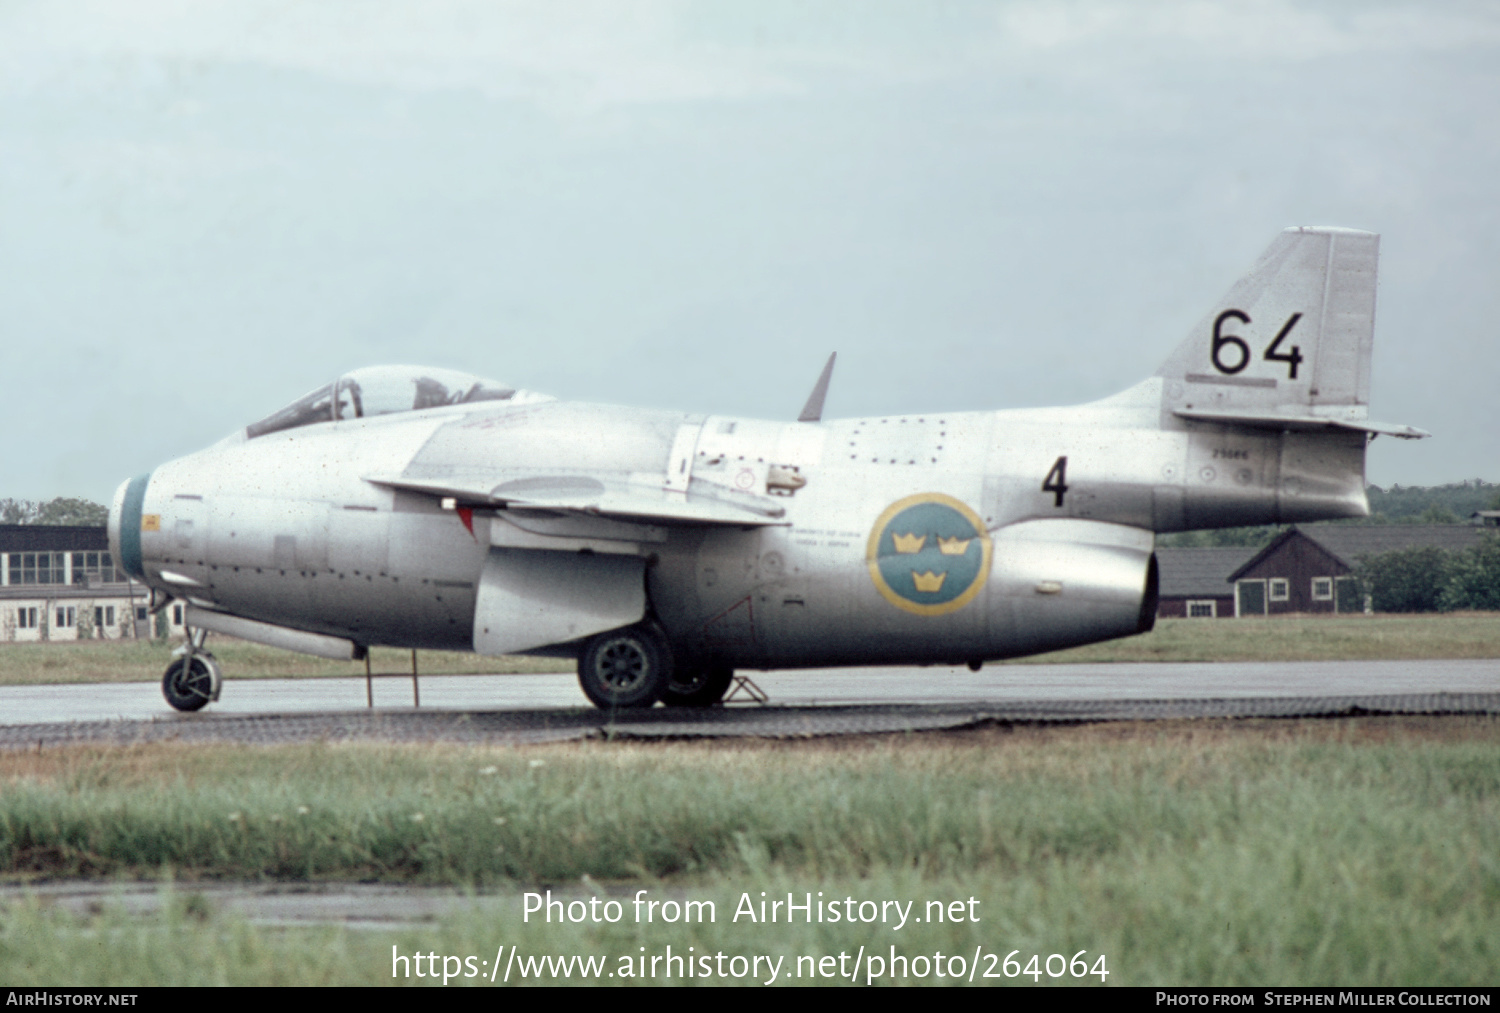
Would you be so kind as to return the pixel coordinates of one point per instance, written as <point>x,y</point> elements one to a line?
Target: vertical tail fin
<point>1294,332</point>
<point>1291,341</point>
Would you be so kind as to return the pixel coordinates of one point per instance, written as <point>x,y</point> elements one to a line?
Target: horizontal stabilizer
<point>1302,422</point>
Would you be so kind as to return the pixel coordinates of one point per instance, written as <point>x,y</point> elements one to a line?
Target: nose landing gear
<point>193,679</point>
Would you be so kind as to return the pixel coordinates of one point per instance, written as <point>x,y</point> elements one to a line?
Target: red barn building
<point>1308,569</point>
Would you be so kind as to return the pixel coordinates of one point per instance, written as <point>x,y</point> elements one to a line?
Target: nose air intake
<point>125,525</point>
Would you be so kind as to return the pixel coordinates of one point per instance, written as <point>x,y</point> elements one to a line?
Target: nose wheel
<point>194,679</point>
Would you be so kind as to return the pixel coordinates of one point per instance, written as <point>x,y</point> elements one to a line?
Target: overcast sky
<point>208,208</point>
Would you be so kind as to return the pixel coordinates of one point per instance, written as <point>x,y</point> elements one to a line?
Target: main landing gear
<point>625,668</point>
<point>634,667</point>
<point>194,677</point>
<point>697,685</point>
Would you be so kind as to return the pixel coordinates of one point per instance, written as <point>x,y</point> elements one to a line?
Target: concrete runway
<point>884,687</point>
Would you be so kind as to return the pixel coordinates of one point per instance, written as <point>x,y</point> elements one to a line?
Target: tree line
<point>62,510</point>
<point>1429,579</point>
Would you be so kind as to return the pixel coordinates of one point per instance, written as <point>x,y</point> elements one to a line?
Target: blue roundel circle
<point>929,554</point>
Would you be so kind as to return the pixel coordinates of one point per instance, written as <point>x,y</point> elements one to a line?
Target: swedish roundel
<point>929,554</point>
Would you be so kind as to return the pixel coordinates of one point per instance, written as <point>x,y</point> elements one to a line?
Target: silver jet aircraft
<point>425,508</point>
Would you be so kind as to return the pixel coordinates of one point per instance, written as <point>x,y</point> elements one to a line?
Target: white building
<point>60,583</point>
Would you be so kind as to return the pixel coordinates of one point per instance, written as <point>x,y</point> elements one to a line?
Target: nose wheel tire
<point>189,683</point>
<point>625,668</point>
<point>697,685</point>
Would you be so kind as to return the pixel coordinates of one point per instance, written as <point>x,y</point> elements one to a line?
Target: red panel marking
<point>734,626</point>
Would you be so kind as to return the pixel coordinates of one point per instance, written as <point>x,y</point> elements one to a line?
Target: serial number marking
<point>1238,356</point>
<point>1224,453</point>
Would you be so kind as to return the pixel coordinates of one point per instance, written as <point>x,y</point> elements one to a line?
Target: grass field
<point>145,660</point>
<point>1293,638</point>
<point>1361,851</point>
<point>1302,638</point>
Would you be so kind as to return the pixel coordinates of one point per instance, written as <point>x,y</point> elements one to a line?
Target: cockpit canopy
<point>383,390</point>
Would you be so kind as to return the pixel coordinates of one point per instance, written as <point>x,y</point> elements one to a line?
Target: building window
<point>1279,589</point>
<point>38,567</point>
<point>176,615</point>
<point>95,568</point>
<point>104,617</point>
<point>1202,609</point>
<point>140,613</point>
<point>67,618</point>
<point>1322,588</point>
<point>26,618</point>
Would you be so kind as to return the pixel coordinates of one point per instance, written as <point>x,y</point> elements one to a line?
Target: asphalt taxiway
<point>519,708</point>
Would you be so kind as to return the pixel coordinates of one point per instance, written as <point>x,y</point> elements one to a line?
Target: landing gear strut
<point>194,678</point>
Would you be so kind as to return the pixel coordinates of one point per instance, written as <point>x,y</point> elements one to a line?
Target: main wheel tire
<point>697,685</point>
<point>189,688</point>
<point>625,668</point>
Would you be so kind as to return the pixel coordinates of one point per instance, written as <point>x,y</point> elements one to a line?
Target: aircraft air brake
<point>423,508</point>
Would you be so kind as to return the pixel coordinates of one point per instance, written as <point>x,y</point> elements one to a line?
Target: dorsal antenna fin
<point>813,410</point>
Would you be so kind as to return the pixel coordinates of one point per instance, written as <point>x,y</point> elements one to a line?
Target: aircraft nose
<point>125,525</point>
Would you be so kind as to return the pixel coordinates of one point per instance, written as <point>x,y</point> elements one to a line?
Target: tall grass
<point>451,815</point>
<point>1351,852</point>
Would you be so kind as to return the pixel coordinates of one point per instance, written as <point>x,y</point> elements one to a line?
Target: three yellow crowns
<point>911,543</point>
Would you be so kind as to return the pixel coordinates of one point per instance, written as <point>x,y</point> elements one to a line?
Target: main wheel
<point>697,685</point>
<point>625,668</point>
<point>189,688</point>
